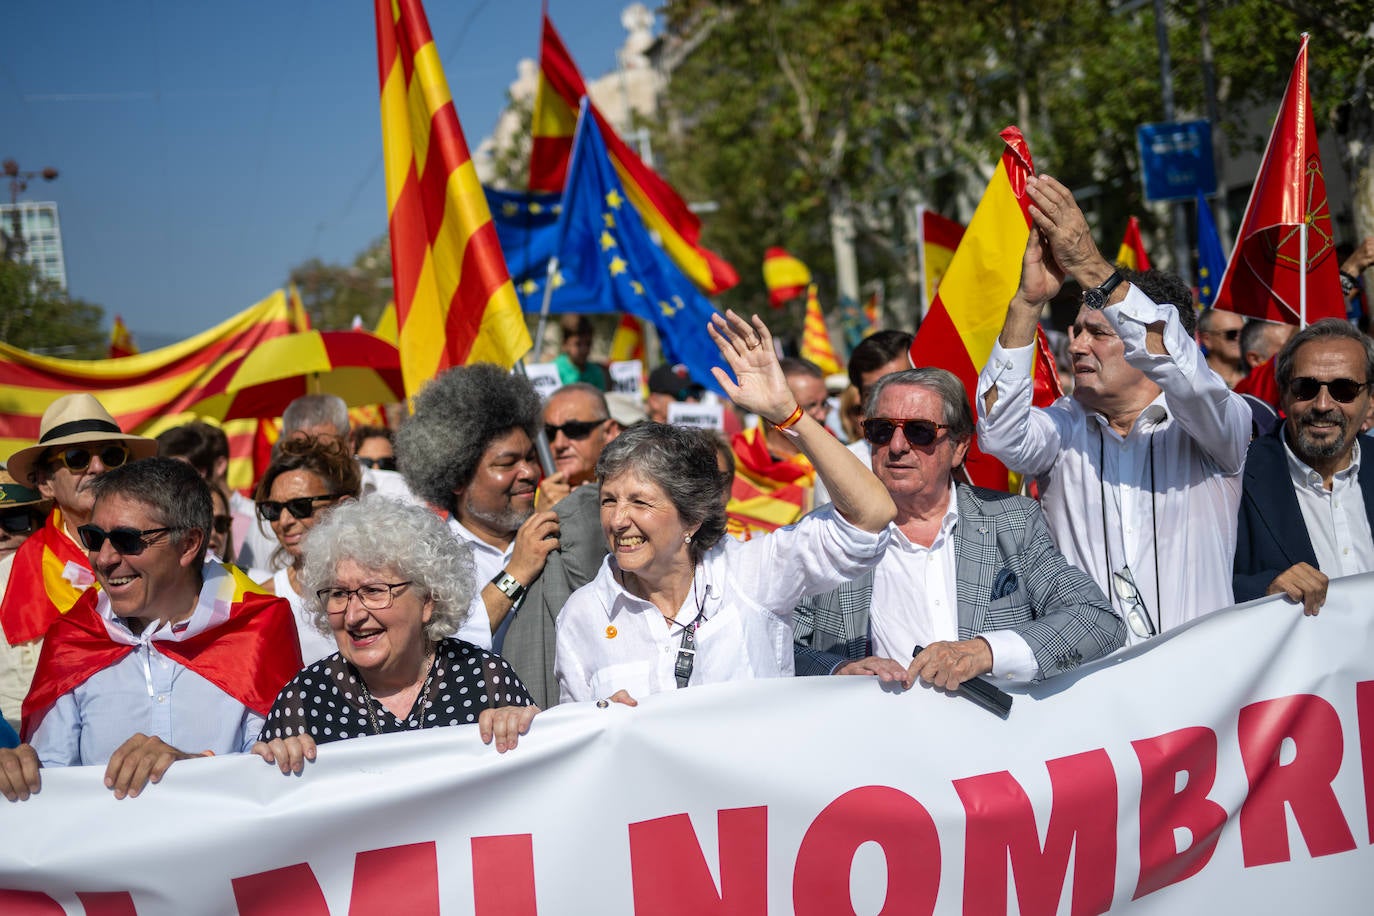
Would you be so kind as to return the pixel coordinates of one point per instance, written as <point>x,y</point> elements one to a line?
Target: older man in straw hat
<point>22,510</point>
<point>78,441</point>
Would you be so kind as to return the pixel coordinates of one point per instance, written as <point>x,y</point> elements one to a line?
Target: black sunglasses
<point>17,522</point>
<point>381,464</point>
<point>1343,390</point>
<point>127,541</point>
<point>879,430</point>
<point>222,523</point>
<point>1233,334</point>
<point>302,507</point>
<point>78,458</point>
<point>574,429</point>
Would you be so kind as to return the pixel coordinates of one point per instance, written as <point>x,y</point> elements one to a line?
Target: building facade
<point>34,233</point>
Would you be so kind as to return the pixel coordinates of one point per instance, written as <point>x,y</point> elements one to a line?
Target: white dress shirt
<point>487,561</point>
<point>1335,518</point>
<point>916,602</point>
<point>743,592</point>
<point>148,692</point>
<point>314,644</point>
<point>1171,485</point>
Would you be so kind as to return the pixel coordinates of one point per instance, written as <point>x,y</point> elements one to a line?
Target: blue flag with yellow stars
<point>527,227</point>
<point>606,254</point>
<point>1211,262</point>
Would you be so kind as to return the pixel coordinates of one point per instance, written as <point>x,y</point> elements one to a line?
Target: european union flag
<point>606,254</point>
<point>1211,262</point>
<point>527,227</point>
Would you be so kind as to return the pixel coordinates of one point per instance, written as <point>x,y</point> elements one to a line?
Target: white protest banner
<point>704,415</point>
<point>544,377</point>
<point>627,376</point>
<point>1224,768</point>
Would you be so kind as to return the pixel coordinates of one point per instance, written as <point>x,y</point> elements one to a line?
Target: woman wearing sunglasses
<point>676,603</point>
<point>391,585</point>
<point>307,476</point>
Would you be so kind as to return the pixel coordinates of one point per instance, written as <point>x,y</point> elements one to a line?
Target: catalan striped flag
<point>556,101</point>
<point>940,237</point>
<point>971,304</point>
<point>785,276</point>
<point>1132,254</point>
<point>121,341</point>
<point>815,344</point>
<point>768,492</point>
<point>300,318</point>
<point>455,303</point>
<point>136,390</point>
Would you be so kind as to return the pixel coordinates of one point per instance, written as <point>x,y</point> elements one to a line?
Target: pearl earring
<point>686,539</point>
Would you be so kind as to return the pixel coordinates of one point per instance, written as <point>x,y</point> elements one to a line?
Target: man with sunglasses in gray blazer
<point>970,583</point>
<point>1307,496</point>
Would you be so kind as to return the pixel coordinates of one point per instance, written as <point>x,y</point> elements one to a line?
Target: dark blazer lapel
<point>1269,484</point>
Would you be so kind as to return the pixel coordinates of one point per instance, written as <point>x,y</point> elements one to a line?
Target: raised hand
<point>759,386</point>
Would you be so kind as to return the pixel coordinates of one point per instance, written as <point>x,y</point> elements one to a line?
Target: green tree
<point>38,316</point>
<point>333,293</point>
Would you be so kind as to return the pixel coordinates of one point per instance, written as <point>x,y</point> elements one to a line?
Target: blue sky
<point>205,148</point>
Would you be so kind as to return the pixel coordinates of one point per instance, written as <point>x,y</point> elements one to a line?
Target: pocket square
<point>1004,584</point>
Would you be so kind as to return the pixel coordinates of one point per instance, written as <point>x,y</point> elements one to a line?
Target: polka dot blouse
<point>327,701</point>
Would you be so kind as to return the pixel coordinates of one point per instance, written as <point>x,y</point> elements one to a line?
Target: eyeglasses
<point>374,597</point>
<point>78,458</point>
<point>302,507</point>
<point>129,542</point>
<point>17,522</point>
<point>1137,617</point>
<point>222,523</point>
<point>575,430</point>
<point>1343,390</point>
<point>879,430</point>
<point>381,464</point>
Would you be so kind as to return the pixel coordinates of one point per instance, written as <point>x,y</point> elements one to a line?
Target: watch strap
<point>508,585</point>
<point>1097,296</point>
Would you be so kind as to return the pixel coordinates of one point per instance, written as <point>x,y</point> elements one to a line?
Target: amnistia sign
<point>1224,768</point>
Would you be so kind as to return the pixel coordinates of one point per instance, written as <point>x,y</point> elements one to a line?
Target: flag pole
<point>1302,275</point>
<point>544,307</point>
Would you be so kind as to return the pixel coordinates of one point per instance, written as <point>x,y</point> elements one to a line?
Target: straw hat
<point>71,420</point>
<point>15,495</point>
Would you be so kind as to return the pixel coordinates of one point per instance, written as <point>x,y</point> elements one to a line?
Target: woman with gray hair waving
<point>391,585</point>
<point>676,603</point>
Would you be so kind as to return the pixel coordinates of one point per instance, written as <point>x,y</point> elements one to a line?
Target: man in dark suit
<point>1307,498</point>
<point>969,574</point>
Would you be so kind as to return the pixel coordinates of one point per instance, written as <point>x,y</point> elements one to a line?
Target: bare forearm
<point>857,494</point>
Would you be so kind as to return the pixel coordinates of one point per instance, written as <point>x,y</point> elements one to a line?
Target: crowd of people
<point>439,576</point>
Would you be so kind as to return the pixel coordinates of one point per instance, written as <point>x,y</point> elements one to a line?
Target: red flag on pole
<point>1288,214</point>
<point>1132,252</point>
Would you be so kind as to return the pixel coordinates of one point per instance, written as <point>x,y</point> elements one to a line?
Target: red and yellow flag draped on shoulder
<point>250,656</point>
<point>767,493</point>
<point>455,303</point>
<point>556,101</point>
<point>49,575</point>
<point>971,305</point>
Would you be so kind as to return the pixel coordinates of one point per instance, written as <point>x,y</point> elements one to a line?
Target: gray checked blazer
<point>1010,577</point>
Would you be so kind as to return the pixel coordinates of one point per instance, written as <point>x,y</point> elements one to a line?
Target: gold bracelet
<point>786,425</point>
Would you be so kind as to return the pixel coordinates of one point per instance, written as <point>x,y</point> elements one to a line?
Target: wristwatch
<point>509,586</point>
<point>1096,297</point>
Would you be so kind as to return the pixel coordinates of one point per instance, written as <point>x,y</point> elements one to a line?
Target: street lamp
<point>19,181</point>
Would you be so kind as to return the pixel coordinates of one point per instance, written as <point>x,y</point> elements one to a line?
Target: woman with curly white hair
<point>391,585</point>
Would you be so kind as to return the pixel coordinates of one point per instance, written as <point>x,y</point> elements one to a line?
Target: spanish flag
<point>628,342</point>
<point>815,344</point>
<point>1132,255</point>
<point>768,492</point>
<point>785,276</point>
<point>121,341</point>
<point>940,237</point>
<point>971,304</point>
<point>664,213</point>
<point>455,303</point>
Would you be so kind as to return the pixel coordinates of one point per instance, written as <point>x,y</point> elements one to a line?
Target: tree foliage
<point>333,293</point>
<point>782,110</point>
<point>38,316</point>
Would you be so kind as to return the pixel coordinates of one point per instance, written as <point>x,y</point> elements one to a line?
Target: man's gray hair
<point>178,497</point>
<point>596,394</point>
<point>388,537</point>
<point>312,410</point>
<point>1165,288</point>
<point>1326,329</point>
<point>457,415</point>
<point>943,383</point>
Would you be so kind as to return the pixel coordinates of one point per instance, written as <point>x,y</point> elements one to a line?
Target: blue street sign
<point>1176,160</point>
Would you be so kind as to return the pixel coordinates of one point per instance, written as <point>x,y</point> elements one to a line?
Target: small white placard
<point>544,377</point>
<point>627,376</point>
<point>697,416</point>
